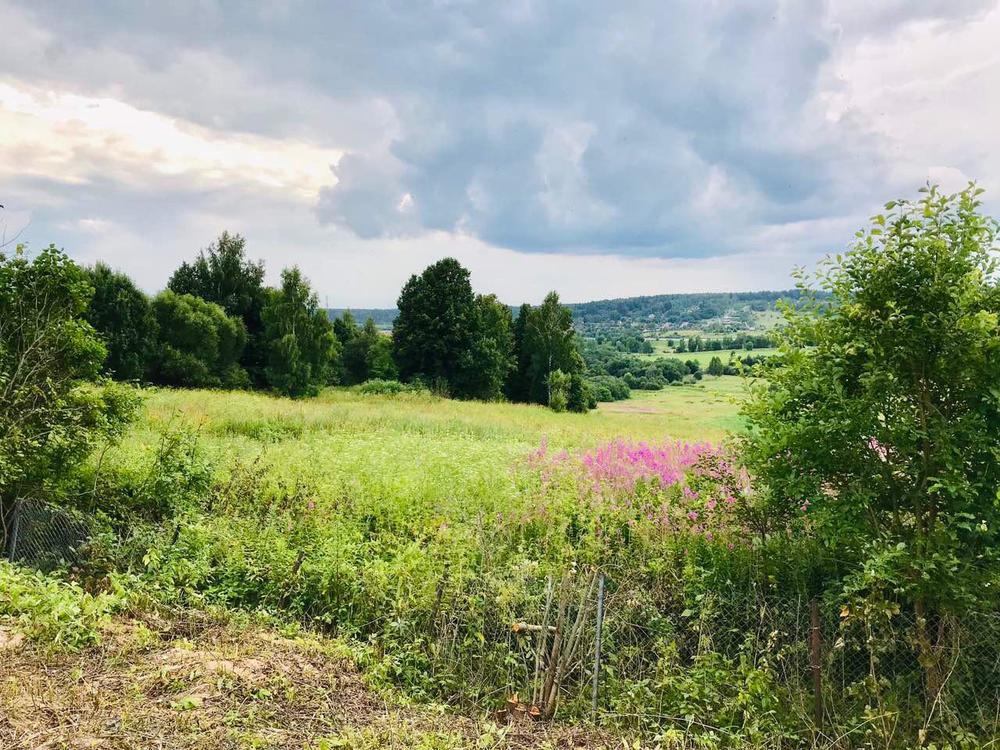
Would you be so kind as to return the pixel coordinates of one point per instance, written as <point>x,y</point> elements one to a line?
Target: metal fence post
<point>597,644</point>
<point>14,529</point>
<point>815,662</point>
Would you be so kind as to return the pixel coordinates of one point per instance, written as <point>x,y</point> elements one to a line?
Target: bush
<point>379,387</point>
<point>200,346</point>
<point>50,611</point>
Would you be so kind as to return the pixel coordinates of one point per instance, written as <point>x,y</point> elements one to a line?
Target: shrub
<point>51,611</point>
<point>379,387</point>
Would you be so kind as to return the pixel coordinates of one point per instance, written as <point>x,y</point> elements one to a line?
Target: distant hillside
<point>383,317</point>
<point>719,311</point>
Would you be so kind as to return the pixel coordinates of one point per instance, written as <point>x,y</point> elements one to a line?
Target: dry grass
<point>197,682</point>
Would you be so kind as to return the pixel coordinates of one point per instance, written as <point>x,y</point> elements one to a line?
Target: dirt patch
<point>195,683</point>
<point>624,407</point>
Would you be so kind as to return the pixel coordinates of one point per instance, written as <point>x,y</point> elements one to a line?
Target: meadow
<point>662,348</point>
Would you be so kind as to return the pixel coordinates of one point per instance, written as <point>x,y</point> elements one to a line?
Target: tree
<point>199,345</point>
<point>367,355</point>
<point>123,317</point>
<point>433,331</point>
<point>550,344</point>
<point>490,358</point>
<point>558,390</point>
<point>518,382</point>
<point>345,328</point>
<point>579,398</point>
<point>222,274</point>
<point>884,420</point>
<point>53,406</point>
<point>715,366</point>
<point>301,346</point>
<point>381,365</point>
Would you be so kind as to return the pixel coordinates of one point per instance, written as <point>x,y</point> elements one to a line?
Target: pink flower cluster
<point>619,466</point>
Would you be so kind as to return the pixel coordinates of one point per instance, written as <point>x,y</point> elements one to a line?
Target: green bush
<point>51,611</point>
<point>380,387</point>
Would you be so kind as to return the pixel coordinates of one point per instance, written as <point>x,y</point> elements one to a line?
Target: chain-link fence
<point>44,536</point>
<point>784,671</point>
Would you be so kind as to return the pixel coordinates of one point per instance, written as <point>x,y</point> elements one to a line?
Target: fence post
<point>15,527</point>
<point>597,644</point>
<point>815,663</point>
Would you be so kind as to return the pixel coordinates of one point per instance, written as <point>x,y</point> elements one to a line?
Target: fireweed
<point>675,488</point>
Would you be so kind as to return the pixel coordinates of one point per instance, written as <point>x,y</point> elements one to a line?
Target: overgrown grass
<point>422,530</point>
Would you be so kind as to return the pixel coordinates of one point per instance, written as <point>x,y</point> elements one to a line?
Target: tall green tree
<point>199,345</point>
<point>123,317</point>
<point>884,421</point>
<point>579,399</point>
<point>433,331</point>
<point>224,275</point>
<point>302,348</point>
<point>489,361</point>
<point>53,406</point>
<point>550,344</point>
<point>518,383</point>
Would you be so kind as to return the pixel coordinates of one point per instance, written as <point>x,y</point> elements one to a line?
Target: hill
<point>707,311</point>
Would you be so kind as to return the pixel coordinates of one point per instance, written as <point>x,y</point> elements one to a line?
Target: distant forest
<point>671,310</point>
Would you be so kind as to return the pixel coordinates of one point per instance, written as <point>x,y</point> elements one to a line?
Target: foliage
<point>200,346</point>
<point>120,312</point>
<point>382,387</point>
<point>489,361</point>
<point>697,310</point>
<point>53,409</point>
<point>887,425</point>
<point>549,344</point>
<point>579,399</point>
<point>222,274</point>
<point>367,353</point>
<point>608,388</point>
<point>715,367</point>
<point>434,331</point>
<point>558,390</point>
<point>302,349</point>
<point>55,613</point>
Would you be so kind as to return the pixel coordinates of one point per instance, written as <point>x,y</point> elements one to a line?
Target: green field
<point>662,349</point>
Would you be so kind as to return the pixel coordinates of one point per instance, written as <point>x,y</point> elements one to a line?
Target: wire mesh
<point>45,536</point>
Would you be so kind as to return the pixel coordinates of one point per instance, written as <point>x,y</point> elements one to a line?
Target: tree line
<point>217,325</point>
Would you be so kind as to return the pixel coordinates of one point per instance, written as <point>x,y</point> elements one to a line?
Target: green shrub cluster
<point>52,611</point>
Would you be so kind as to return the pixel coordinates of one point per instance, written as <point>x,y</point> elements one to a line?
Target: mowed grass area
<point>709,409</point>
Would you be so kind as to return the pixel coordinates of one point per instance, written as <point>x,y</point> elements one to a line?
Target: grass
<point>708,410</point>
<point>662,349</point>
<point>197,682</point>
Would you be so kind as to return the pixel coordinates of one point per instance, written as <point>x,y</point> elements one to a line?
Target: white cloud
<point>71,137</point>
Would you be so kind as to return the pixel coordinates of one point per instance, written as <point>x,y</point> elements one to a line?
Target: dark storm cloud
<point>641,128</point>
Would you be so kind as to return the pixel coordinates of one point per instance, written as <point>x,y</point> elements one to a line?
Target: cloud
<point>638,146</point>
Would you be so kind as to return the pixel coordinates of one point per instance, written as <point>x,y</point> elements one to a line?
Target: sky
<point>598,149</point>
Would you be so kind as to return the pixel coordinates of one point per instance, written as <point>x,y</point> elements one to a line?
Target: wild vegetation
<point>818,572</point>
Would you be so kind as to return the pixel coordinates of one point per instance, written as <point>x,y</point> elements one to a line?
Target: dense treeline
<point>704,311</point>
<point>614,373</point>
<point>471,346</point>
<point>218,326</point>
<point>747,341</point>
